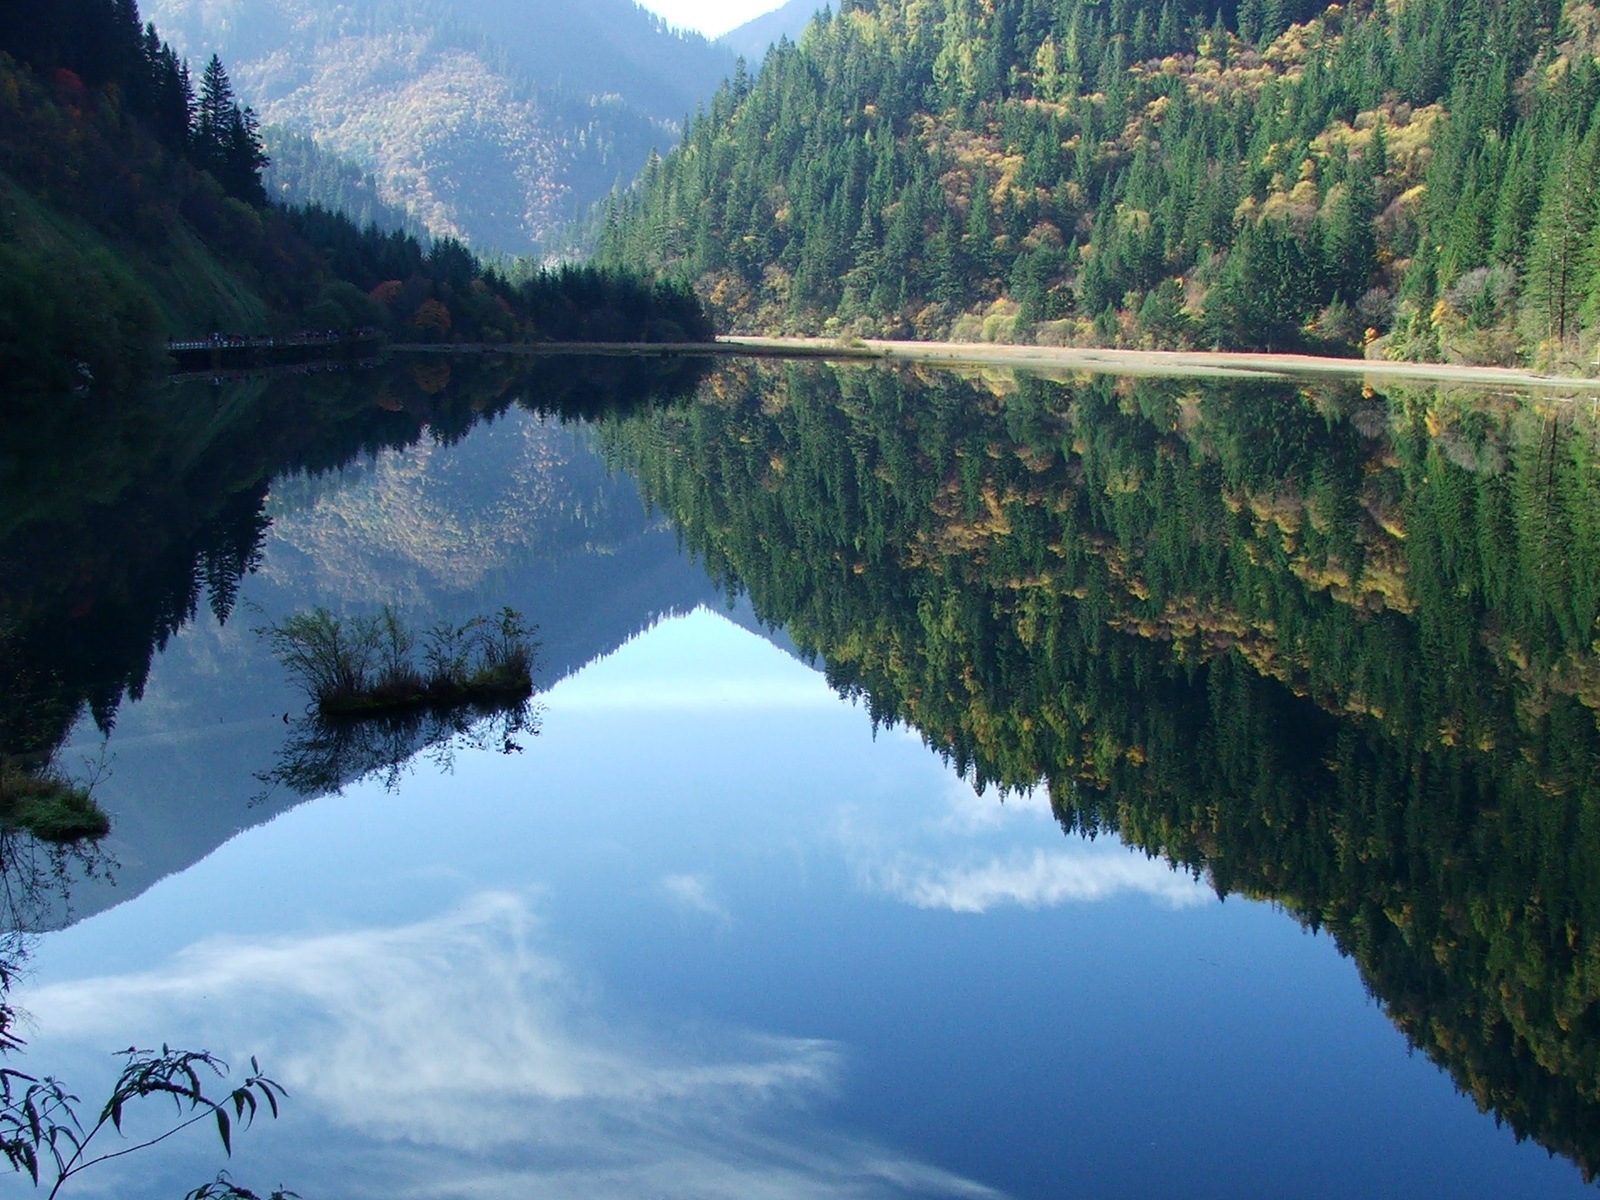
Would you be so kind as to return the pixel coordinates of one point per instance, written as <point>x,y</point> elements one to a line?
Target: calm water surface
<point>792,892</point>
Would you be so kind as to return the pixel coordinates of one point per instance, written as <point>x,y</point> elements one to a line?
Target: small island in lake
<point>366,666</point>
<point>49,807</point>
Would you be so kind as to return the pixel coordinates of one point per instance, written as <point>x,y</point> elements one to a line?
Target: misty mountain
<point>302,172</point>
<point>752,39</point>
<point>495,121</point>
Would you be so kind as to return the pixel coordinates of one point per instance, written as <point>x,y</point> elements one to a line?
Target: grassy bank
<point>50,808</point>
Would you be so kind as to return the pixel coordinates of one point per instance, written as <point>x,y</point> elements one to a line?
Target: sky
<point>711,17</point>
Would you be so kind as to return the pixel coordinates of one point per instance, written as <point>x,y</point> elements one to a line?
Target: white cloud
<point>454,1058</point>
<point>1042,880</point>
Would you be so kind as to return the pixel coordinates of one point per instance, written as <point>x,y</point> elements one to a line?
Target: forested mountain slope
<point>130,203</point>
<point>132,207</point>
<point>1273,174</point>
<point>303,173</point>
<point>492,121</point>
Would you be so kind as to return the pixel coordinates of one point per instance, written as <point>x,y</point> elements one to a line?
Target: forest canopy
<point>1411,180</point>
<point>135,210</point>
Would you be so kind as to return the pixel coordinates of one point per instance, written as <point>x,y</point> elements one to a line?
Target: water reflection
<point>322,754</point>
<point>113,537</point>
<point>1037,880</point>
<point>1324,647</point>
<point>36,882</point>
<point>1311,645</point>
<point>154,512</point>
<point>467,1040</point>
<point>958,1046</point>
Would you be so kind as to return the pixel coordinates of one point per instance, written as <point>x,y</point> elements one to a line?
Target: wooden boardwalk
<point>226,352</point>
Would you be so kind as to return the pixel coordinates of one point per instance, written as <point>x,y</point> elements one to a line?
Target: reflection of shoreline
<point>1151,362</point>
<point>1214,364</point>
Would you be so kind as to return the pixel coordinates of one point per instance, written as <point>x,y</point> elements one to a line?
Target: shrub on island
<point>49,807</point>
<point>367,665</point>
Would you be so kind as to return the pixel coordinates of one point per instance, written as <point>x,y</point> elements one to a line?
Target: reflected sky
<point>710,935</point>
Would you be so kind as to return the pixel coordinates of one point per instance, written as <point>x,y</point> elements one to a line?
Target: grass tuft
<point>52,809</point>
<point>367,666</point>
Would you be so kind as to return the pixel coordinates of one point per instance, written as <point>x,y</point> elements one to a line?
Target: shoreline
<point>1235,364</point>
<point>1189,363</point>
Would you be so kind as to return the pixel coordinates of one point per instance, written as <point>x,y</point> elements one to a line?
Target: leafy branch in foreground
<point>224,1188</point>
<point>40,1131</point>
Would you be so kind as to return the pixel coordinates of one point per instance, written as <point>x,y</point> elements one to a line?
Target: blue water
<point>709,936</point>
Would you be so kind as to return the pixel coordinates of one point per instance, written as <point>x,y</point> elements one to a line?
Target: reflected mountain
<point>1333,649</point>
<point>217,510</point>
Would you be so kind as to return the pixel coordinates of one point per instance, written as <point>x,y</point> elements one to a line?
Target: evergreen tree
<point>213,129</point>
<point>1041,125</point>
<point>1352,242</point>
<point>226,138</point>
<point>1556,283</point>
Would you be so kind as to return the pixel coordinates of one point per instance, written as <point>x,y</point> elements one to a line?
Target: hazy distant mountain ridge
<point>752,39</point>
<point>595,48</point>
<point>492,122</point>
<point>301,172</point>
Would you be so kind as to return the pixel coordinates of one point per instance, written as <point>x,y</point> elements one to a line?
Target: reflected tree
<point>374,706</point>
<point>1332,649</point>
<point>326,754</point>
<point>81,618</point>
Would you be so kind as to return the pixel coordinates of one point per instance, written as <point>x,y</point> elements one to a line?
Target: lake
<point>938,784</point>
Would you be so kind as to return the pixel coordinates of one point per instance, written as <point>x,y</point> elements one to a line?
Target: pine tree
<point>214,115</point>
<point>246,158</point>
<point>227,139</point>
<point>1249,20</point>
<point>1556,276</point>
<point>1352,242</point>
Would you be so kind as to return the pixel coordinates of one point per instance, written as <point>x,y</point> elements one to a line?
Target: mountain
<point>752,40</point>
<point>1414,180</point>
<point>129,203</point>
<point>492,121</point>
<point>584,561</point>
<point>302,173</point>
<point>132,206</point>
<point>596,48</point>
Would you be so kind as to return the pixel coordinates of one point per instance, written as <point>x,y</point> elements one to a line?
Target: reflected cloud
<point>967,811</point>
<point>1044,880</point>
<point>693,893</point>
<point>473,1063</point>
